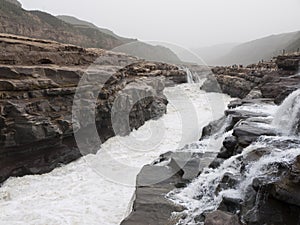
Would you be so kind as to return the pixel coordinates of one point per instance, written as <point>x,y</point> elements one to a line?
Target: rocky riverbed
<point>245,168</point>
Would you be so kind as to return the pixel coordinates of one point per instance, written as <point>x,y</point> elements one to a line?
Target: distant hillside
<point>84,24</point>
<point>212,53</point>
<point>265,48</point>
<point>132,46</point>
<point>149,52</point>
<point>37,24</point>
<point>294,45</point>
<point>16,2</point>
<point>67,29</point>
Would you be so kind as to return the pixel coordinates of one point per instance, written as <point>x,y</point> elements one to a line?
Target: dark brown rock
<point>248,133</point>
<point>154,182</point>
<point>258,80</point>
<point>223,124</point>
<point>288,62</point>
<point>37,99</point>
<point>221,218</point>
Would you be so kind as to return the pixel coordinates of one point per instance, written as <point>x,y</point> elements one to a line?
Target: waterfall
<point>192,78</point>
<point>205,193</point>
<point>201,195</point>
<point>287,117</point>
<point>77,193</point>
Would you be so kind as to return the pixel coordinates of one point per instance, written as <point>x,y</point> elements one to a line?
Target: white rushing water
<point>200,196</point>
<point>192,77</point>
<point>97,189</point>
<point>288,115</point>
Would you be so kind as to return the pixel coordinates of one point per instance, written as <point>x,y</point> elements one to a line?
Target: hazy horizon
<point>190,23</point>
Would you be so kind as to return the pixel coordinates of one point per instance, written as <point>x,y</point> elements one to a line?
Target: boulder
<point>247,133</point>
<point>254,94</point>
<point>221,125</point>
<point>288,62</point>
<point>221,218</point>
<point>211,85</point>
<point>232,205</point>
<point>172,170</point>
<point>288,188</point>
<point>228,181</point>
<point>216,163</point>
<point>150,207</point>
<point>273,199</point>
<point>229,144</point>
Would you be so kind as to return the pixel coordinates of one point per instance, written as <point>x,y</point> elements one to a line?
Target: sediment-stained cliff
<point>38,81</point>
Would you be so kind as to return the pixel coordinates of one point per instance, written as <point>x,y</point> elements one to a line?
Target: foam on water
<point>97,189</point>
<point>192,78</point>
<point>265,108</point>
<point>287,118</point>
<point>200,196</point>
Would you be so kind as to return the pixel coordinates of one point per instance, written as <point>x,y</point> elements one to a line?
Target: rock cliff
<point>38,82</point>
<point>274,79</point>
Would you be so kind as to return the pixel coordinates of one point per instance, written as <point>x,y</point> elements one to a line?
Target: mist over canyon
<point>149,113</point>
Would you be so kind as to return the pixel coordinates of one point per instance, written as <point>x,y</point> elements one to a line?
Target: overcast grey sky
<point>189,23</point>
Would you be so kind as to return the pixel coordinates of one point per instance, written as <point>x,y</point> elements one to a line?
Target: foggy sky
<point>189,23</point>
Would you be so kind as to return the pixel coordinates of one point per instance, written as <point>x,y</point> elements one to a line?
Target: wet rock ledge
<point>38,81</point>
<point>172,170</point>
<point>272,197</point>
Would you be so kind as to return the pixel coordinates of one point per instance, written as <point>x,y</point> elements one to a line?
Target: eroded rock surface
<point>274,79</point>
<point>38,82</point>
<point>172,170</point>
<point>271,197</point>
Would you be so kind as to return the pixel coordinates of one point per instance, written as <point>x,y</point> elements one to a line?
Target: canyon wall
<point>38,82</point>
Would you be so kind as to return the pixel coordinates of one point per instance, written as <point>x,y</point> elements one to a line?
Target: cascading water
<point>203,194</point>
<point>192,77</point>
<point>77,194</point>
<point>287,118</point>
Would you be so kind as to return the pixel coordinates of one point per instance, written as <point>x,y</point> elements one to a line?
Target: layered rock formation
<point>265,179</point>
<point>70,30</point>
<point>172,170</point>
<point>38,82</point>
<point>275,79</point>
<point>272,196</point>
<point>38,24</point>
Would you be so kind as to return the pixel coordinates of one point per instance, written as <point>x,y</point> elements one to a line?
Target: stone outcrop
<point>221,218</point>
<point>235,81</point>
<point>258,84</point>
<point>271,198</point>
<point>274,79</point>
<point>19,50</point>
<point>38,82</point>
<point>288,62</point>
<point>172,170</point>
<point>272,195</point>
